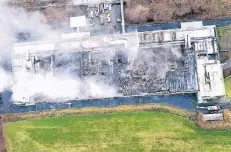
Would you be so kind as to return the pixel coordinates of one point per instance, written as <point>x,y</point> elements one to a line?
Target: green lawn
<point>139,131</point>
<point>228,86</point>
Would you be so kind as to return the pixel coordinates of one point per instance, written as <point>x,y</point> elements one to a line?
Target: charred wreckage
<point>184,60</point>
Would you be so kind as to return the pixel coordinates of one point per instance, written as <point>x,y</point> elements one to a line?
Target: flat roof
<point>79,21</point>
<point>192,25</point>
<point>211,81</point>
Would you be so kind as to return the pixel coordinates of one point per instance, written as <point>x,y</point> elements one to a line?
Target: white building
<point>209,68</point>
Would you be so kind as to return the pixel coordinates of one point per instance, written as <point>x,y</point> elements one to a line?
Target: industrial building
<point>162,62</point>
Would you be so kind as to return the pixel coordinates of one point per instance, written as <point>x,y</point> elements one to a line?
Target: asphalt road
<point>182,100</point>
<point>152,27</point>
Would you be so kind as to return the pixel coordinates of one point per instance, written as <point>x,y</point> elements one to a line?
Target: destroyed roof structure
<point>147,63</point>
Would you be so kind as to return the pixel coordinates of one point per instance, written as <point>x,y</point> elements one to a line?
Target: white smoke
<point>177,52</point>
<point>58,87</point>
<point>5,79</point>
<point>13,21</point>
<point>62,86</point>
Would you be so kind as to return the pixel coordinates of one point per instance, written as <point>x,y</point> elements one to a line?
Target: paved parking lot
<point>103,19</point>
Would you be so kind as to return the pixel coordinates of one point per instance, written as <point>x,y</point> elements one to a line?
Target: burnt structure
<point>146,63</point>
<point>157,70</point>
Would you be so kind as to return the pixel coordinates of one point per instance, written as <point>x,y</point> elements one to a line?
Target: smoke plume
<point>14,21</point>
<point>62,86</point>
<point>5,79</point>
<point>58,87</point>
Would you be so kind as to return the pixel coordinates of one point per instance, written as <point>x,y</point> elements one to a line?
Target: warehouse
<point>149,63</point>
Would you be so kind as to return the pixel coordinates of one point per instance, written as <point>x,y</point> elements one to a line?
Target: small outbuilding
<point>79,21</point>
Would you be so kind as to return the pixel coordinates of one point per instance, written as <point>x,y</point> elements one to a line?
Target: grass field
<point>138,131</point>
<point>224,34</point>
<point>228,86</point>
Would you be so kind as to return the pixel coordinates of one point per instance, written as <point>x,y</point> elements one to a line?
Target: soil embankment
<point>2,138</point>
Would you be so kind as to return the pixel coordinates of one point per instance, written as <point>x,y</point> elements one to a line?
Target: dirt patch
<point>3,147</point>
<point>162,11</point>
<point>37,4</point>
<point>62,14</point>
<point>55,12</point>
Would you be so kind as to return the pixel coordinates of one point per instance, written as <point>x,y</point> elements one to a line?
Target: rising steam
<point>5,78</point>
<point>60,86</point>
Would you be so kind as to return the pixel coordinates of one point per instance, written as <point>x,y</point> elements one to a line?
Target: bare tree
<point>159,11</point>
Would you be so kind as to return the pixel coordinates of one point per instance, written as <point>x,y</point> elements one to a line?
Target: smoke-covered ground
<point>14,21</point>
<point>96,75</point>
<point>61,87</point>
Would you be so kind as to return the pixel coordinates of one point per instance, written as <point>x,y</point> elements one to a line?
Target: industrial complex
<point>176,61</point>
<point>97,48</point>
<point>95,75</point>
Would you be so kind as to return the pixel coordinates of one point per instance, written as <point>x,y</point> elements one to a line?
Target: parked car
<point>97,13</point>
<point>118,19</point>
<point>106,6</point>
<point>108,17</point>
<point>101,20</point>
<point>101,8</point>
<point>109,7</point>
<point>211,108</point>
<point>91,14</point>
<point>214,109</point>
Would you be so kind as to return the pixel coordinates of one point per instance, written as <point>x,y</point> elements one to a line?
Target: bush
<point>227,115</point>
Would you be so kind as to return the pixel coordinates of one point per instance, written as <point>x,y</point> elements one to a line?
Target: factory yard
<point>138,131</point>
<point>101,18</point>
